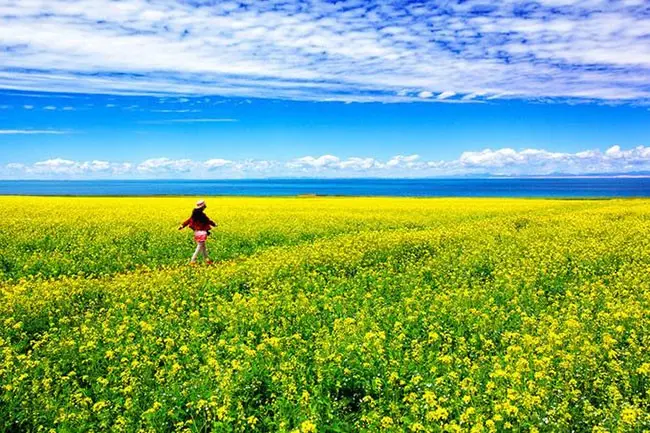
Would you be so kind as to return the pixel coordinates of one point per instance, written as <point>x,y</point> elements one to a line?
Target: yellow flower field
<point>325,315</point>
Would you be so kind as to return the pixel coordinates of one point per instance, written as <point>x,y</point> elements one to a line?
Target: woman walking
<point>201,224</point>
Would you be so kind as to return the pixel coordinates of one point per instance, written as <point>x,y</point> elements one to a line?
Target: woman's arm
<point>185,224</point>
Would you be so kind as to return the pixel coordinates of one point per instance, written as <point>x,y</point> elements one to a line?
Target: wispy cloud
<point>502,162</point>
<point>446,95</point>
<point>160,122</point>
<point>349,50</point>
<point>39,95</point>
<point>176,111</point>
<point>32,132</point>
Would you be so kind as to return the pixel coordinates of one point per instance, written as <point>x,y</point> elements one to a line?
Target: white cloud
<point>321,50</point>
<point>490,158</point>
<point>123,168</point>
<point>28,107</point>
<point>255,166</point>
<point>446,95</point>
<point>353,164</point>
<point>505,161</point>
<point>614,152</point>
<point>32,132</point>
<point>473,95</point>
<point>317,163</point>
<point>15,166</point>
<point>401,161</point>
<point>57,162</point>
<point>166,165</point>
<point>49,108</point>
<point>217,163</point>
<point>160,122</point>
<point>57,166</point>
<point>638,155</point>
<point>536,161</point>
<point>359,164</point>
<point>66,168</point>
<point>176,111</point>
<point>97,165</point>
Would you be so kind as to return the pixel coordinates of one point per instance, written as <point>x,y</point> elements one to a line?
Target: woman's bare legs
<point>200,249</point>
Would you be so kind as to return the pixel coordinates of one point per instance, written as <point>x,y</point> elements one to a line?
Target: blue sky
<point>203,89</point>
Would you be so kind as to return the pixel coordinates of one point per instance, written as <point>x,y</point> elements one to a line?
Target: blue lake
<point>455,187</point>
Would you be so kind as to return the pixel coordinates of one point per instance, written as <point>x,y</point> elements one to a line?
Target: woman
<point>201,224</point>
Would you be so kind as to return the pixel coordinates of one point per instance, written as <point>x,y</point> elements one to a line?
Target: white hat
<point>200,204</point>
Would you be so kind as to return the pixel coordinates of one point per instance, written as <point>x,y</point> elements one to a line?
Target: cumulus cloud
<point>318,163</point>
<point>400,161</point>
<point>66,168</point>
<point>331,162</point>
<point>505,161</point>
<point>359,164</point>
<point>537,161</point>
<point>216,163</point>
<point>255,166</point>
<point>166,165</point>
<point>55,165</point>
<point>347,50</point>
<point>638,155</point>
<point>490,158</point>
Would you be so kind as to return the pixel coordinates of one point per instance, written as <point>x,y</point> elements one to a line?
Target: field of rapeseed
<point>325,315</point>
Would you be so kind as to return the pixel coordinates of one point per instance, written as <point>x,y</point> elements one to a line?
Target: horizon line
<point>458,177</point>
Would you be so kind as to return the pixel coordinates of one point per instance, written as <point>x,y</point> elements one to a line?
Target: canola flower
<point>422,315</point>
